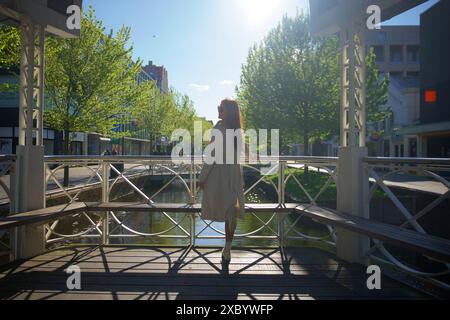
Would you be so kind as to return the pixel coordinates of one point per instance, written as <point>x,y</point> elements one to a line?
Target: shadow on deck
<point>193,273</point>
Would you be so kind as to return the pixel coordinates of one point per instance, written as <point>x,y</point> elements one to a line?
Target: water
<point>176,193</point>
<point>152,223</point>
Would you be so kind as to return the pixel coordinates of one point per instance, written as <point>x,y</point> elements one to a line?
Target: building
<point>159,74</point>
<point>397,54</point>
<point>385,137</point>
<point>397,50</point>
<point>432,132</point>
<point>139,142</point>
<point>9,120</point>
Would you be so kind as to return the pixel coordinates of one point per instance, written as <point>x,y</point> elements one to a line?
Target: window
<point>396,53</point>
<point>387,148</point>
<point>412,53</point>
<point>413,147</point>
<point>76,148</point>
<point>395,74</point>
<point>379,53</point>
<point>6,132</point>
<point>6,146</point>
<point>413,74</point>
<point>327,5</point>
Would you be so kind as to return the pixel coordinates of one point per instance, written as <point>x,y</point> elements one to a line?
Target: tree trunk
<point>66,153</point>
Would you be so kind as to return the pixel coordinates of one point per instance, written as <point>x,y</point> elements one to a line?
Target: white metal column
<point>352,68</point>
<point>352,178</point>
<point>31,85</point>
<point>29,241</point>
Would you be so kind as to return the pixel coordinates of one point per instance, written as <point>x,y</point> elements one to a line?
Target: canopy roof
<point>327,16</point>
<point>50,13</point>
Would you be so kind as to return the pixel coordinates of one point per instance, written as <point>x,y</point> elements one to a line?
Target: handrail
<point>370,160</point>
<point>391,160</point>
<point>7,157</point>
<point>120,158</point>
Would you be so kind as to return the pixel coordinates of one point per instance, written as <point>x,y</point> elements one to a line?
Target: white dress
<point>223,189</point>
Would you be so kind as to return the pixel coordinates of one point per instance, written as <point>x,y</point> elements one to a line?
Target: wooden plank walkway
<point>193,273</point>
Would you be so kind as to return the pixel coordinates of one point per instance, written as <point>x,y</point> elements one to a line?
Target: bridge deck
<point>193,273</point>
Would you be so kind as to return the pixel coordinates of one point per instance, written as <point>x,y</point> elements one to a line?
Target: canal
<point>141,223</point>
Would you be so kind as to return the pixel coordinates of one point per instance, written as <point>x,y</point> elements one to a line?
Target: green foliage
<point>376,91</point>
<point>9,55</point>
<point>91,80</point>
<point>161,114</point>
<point>290,82</point>
<point>91,85</point>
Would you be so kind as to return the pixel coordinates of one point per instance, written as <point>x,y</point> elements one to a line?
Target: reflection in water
<point>157,223</point>
<point>176,193</point>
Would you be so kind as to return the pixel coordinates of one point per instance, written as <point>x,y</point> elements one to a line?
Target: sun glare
<point>258,10</point>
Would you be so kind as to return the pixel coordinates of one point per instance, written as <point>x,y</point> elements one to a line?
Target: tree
<point>91,81</point>
<point>9,55</point>
<point>376,91</point>
<point>91,85</point>
<point>290,81</point>
<point>162,113</point>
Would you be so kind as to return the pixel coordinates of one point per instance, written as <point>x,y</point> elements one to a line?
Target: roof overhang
<point>49,13</point>
<point>328,16</point>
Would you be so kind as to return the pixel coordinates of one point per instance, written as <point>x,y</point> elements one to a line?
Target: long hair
<point>234,116</point>
<point>233,121</point>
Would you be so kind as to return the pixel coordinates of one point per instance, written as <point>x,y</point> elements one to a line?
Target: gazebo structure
<point>36,19</point>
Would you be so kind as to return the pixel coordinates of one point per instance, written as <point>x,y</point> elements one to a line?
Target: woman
<point>222,183</point>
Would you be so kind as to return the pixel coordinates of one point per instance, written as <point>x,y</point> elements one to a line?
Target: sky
<point>203,43</point>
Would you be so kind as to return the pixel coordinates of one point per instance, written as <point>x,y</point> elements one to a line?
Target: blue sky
<point>203,43</point>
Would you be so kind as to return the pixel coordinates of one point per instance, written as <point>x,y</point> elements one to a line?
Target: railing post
<point>13,201</point>
<point>192,200</point>
<point>193,229</point>
<point>192,183</point>
<point>281,200</point>
<point>30,194</point>
<point>281,185</point>
<point>352,192</point>
<point>105,198</point>
<point>352,198</point>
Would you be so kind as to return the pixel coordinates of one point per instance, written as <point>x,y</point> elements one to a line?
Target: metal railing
<point>428,178</point>
<point>107,177</point>
<point>7,176</point>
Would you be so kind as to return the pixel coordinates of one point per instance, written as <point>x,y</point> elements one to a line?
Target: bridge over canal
<point>329,261</point>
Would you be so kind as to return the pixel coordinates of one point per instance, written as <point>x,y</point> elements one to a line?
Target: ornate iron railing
<point>7,176</point>
<point>90,172</point>
<point>109,179</point>
<point>425,177</point>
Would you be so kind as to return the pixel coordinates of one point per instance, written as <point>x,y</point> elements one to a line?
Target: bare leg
<point>230,228</point>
